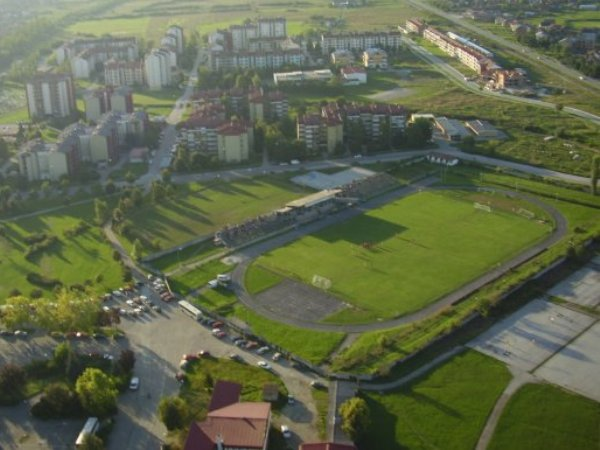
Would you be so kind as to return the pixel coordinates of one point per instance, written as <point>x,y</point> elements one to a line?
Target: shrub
<point>42,281</point>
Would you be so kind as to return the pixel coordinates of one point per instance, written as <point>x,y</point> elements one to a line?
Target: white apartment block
<point>359,41</point>
<point>157,68</point>
<point>123,73</point>
<point>50,94</point>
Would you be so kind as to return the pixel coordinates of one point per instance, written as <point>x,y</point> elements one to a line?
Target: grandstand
<point>305,209</point>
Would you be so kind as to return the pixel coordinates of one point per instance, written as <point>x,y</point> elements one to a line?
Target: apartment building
<point>320,133</point>
<point>50,95</point>
<point>342,57</point>
<point>126,47</point>
<point>353,76</point>
<point>174,38</point>
<point>111,134</point>
<point>359,41</point>
<point>157,68</point>
<point>229,60</point>
<point>199,132</point>
<point>415,26</point>
<point>101,101</point>
<point>375,58</point>
<point>373,117</point>
<point>124,73</point>
<point>300,77</point>
<point>235,141</point>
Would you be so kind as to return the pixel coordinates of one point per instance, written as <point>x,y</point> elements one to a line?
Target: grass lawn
<point>158,103</point>
<point>201,209</point>
<point>321,399</point>
<point>186,282</point>
<point>71,260</point>
<point>15,116</point>
<point>187,255</point>
<point>445,409</point>
<point>137,169</point>
<point>313,346</point>
<point>258,279</point>
<point>418,249</point>
<point>544,417</point>
<point>197,390</point>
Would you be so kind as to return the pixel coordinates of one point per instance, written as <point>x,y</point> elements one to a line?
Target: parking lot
<point>583,287</point>
<point>159,339</point>
<point>531,335</point>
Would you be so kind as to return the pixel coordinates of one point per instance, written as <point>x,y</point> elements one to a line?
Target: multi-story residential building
<point>41,161</point>
<point>320,132</point>
<point>234,142</point>
<point>174,37</point>
<point>101,101</point>
<point>375,58</point>
<point>509,79</point>
<point>342,57</point>
<point>200,133</point>
<point>415,26</point>
<point>50,95</point>
<point>120,47</point>
<point>226,60</point>
<point>124,73</point>
<point>359,41</point>
<point>111,134</point>
<point>470,57</point>
<point>276,105</point>
<point>157,68</point>
<point>373,117</point>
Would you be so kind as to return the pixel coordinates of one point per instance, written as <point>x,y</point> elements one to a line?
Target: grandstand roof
<point>314,199</point>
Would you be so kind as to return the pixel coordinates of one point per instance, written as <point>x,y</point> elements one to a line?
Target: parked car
<point>189,357</point>
<point>265,365</point>
<point>263,350</point>
<point>291,399</point>
<point>220,334</point>
<point>180,376</point>
<point>203,353</point>
<point>235,357</point>
<point>6,333</point>
<point>286,431</point>
<point>134,384</point>
<point>317,384</point>
<point>276,356</point>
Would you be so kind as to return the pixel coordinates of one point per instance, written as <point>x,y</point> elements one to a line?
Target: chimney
<point>219,442</point>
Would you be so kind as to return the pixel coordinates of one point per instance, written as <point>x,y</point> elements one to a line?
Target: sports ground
<point>399,258</point>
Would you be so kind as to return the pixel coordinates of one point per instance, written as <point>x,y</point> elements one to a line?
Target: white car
<point>276,356</point>
<point>130,303</point>
<point>134,384</point>
<point>286,431</point>
<point>265,365</point>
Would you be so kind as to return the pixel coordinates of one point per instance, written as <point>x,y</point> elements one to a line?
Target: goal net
<point>482,207</point>
<point>321,282</point>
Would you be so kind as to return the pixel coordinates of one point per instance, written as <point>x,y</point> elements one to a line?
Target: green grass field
<point>200,209</point>
<point>186,282</point>
<point>188,255</point>
<point>71,260</point>
<point>259,279</point>
<point>544,417</point>
<point>398,258</point>
<point>445,409</point>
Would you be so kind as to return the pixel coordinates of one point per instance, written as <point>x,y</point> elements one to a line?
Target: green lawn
<point>201,209</point>
<point>137,169</point>
<point>259,279</point>
<point>130,27</point>
<point>71,260</point>
<point>398,258</point>
<point>197,390</point>
<point>186,282</point>
<point>187,255</point>
<point>445,409</point>
<point>544,417</point>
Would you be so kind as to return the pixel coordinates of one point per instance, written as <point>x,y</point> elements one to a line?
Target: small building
<point>234,142</point>
<point>138,155</point>
<point>342,57</point>
<point>353,75</point>
<point>451,129</point>
<point>375,58</point>
<point>482,129</point>
<point>442,159</point>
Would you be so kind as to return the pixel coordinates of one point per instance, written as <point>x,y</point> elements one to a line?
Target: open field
<point>540,416</point>
<point>259,279</point>
<point>70,260</point>
<point>197,278</point>
<point>395,260</point>
<point>188,255</point>
<point>446,408</point>
<point>200,209</point>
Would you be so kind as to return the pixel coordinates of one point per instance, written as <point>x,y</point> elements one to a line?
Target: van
<point>224,278</point>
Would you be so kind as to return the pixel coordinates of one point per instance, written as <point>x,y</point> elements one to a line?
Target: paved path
<point>519,379</point>
<point>248,254</point>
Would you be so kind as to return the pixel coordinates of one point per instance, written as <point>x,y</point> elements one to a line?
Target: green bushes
<point>40,246</point>
<point>42,281</point>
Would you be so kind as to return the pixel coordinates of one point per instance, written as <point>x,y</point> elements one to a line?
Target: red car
<point>220,334</point>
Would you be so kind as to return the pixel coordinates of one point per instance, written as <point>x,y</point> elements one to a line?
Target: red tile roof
<point>241,425</point>
<point>225,393</point>
<point>327,446</point>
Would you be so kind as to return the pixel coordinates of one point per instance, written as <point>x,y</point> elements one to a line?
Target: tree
<point>12,379</point>
<point>4,153</point>
<point>173,412</point>
<point>166,175</point>
<point>101,211</point>
<point>356,417</point>
<point>127,360</point>
<point>97,392</point>
<point>468,143</point>
<point>110,187</point>
<point>91,442</point>
<point>136,250</point>
<point>130,177</point>
<point>595,173</point>
<point>419,133</point>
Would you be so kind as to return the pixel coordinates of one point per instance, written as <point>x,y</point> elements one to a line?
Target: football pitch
<point>399,258</point>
